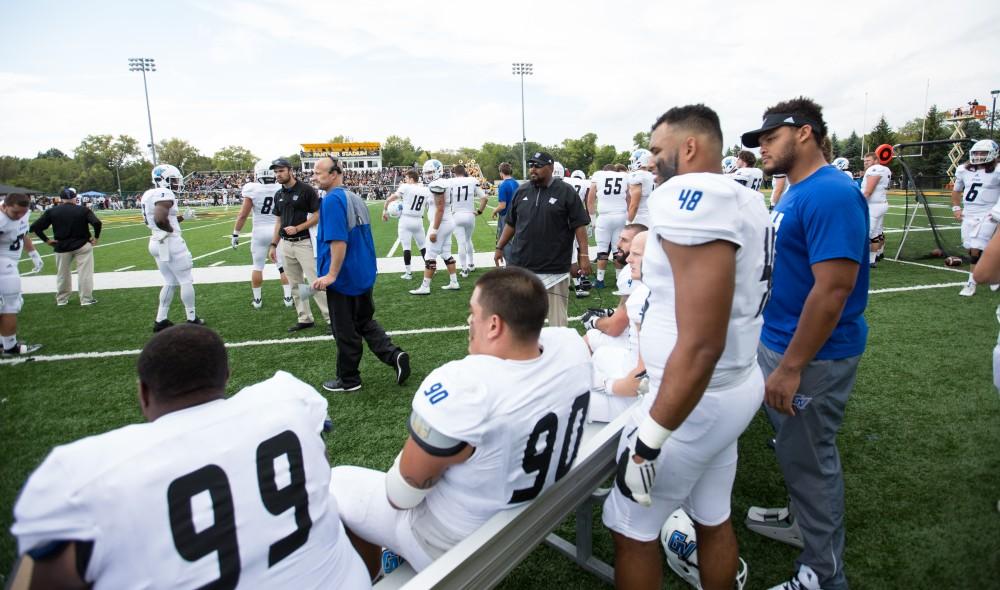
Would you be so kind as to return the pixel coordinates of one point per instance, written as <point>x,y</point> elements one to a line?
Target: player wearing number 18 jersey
<point>210,493</point>
<point>977,188</point>
<point>258,197</point>
<point>416,198</point>
<point>477,446</point>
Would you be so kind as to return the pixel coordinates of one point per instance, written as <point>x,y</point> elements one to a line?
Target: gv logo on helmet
<point>679,544</point>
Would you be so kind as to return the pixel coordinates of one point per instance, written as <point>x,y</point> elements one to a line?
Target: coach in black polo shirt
<point>543,218</point>
<point>71,241</point>
<point>293,204</point>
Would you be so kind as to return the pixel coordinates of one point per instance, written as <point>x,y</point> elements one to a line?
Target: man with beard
<point>543,218</point>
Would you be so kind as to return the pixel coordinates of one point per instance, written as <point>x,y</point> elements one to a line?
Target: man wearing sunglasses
<point>544,216</point>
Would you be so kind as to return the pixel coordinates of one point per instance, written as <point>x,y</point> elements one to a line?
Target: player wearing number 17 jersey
<point>258,197</point>
<point>476,446</point>
<point>210,493</point>
<point>707,267</point>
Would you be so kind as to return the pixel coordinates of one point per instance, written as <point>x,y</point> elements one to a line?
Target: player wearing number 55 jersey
<point>977,188</point>
<point>477,446</point>
<point>410,229</point>
<point>258,197</point>
<point>707,267</point>
<point>609,189</point>
<point>210,493</point>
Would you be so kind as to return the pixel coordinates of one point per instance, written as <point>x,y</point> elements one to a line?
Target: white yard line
<point>229,247</point>
<point>217,263</point>
<point>926,265</point>
<point>124,268</point>
<point>309,339</point>
<point>392,251</point>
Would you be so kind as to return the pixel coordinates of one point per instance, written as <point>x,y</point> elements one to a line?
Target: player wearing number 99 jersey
<point>477,446</point>
<point>211,492</point>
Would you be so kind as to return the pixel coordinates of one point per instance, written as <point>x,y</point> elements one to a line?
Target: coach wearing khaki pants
<point>71,241</point>
<point>297,206</point>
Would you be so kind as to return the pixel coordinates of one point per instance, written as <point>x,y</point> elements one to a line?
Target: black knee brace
<point>874,240</point>
<point>602,255</point>
<point>407,257</point>
<point>974,258</point>
<point>449,261</point>
<point>423,252</point>
<point>431,264</point>
<point>881,238</point>
<point>281,270</point>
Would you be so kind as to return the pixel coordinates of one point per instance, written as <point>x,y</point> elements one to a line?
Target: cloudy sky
<point>270,74</point>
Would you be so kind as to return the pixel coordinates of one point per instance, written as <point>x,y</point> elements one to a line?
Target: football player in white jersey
<point>211,492</point>
<point>258,197</point>
<point>729,166</point>
<point>442,225</point>
<point>14,238</point>
<point>166,246</point>
<point>977,188</point>
<point>611,329</point>
<point>746,172</point>
<point>640,186</point>
<point>706,265</point>
<point>465,193</point>
<point>410,229</point>
<point>874,186</point>
<point>608,196</point>
<point>844,165</point>
<point>476,446</point>
<point>578,180</point>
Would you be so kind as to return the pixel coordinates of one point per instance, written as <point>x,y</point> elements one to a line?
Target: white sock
<point>407,267</point>
<point>9,341</point>
<point>576,281</point>
<point>256,292</point>
<point>453,278</point>
<point>600,274</point>
<point>287,290</point>
<point>426,283</point>
<point>871,256</point>
<point>972,281</point>
<point>166,296</point>
<point>187,297</point>
<point>461,258</point>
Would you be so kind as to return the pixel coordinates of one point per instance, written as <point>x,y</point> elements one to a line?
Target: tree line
<point>108,163</point>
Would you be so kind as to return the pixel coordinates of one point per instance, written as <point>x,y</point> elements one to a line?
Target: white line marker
<point>393,249</point>
<point>217,263</point>
<point>915,288</point>
<point>230,247</point>
<point>928,265</point>
<point>124,268</point>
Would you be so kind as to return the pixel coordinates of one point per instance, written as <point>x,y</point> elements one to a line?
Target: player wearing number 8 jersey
<point>707,267</point>
<point>258,198</point>
<point>211,492</point>
<point>476,446</point>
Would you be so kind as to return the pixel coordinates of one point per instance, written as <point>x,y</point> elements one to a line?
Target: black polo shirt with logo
<point>545,221</point>
<point>293,206</point>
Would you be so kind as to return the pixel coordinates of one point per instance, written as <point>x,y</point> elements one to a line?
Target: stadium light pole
<point>522,69</point>
<point>993,113</point>
<point>145,64</point>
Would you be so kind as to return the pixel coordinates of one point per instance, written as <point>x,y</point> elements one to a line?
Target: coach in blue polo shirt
<point>346,267</point>
<point>813,337</point>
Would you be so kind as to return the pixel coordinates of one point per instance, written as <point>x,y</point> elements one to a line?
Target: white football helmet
<point>842,163</point>
<point>729,164</point>
<point>395,209</point>
<point>579,174</point>
<point>678,539</point>
<point>558,171</point>
<point>983,151</point>
<point>433,169</point>
<point>167,176</point>
<point>639,159</point>
<point>262,172</point>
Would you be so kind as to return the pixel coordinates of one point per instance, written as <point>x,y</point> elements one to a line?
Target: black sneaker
<point>21,348</point>
<point>301,326</point>
<point>336,385</point>
<point>197,321</point>
<point>160,326</point>
<point>402,367</point>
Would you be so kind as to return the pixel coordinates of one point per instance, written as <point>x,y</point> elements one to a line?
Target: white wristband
<point>652,434</point>
<point>956,207</point>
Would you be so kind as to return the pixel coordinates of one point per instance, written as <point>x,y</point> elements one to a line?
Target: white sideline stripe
<point>919,229</point>
<point>217,263</point>
<point>246,343</point>
<point>229,247</point>
<point>393,249</point>
<point>124,268</point>
<point>927,265</point>
<point>131,239</point>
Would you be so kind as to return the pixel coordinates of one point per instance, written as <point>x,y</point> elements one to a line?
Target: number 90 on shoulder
<point>436,393</point>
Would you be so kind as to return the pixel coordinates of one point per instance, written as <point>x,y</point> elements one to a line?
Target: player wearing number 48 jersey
<point>977,189</point>
<point>258,197</point>
<point>707,266</point>
<point>210,493</point>
<point>476,446</point>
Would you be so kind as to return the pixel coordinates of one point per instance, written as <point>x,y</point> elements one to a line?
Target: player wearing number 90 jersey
<point>212,492</point>
<point>478,446</point>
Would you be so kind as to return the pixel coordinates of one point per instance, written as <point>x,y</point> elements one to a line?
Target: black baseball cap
<point>280,163</point>
<point>751,139</point>
<point>67,194</point>
<point>542,158</point>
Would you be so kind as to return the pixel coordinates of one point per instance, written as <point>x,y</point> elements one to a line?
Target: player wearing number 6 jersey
<point>707,267</point>
<point>977,188</point>
<point>258,197</point>
<point>416,198</point>
<point>211,492</point>
<point>476,446</point>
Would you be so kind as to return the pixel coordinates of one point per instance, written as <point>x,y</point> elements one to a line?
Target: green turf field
<point>918,444</point>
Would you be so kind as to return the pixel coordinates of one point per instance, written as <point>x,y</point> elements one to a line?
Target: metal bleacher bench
<point>484,558</point>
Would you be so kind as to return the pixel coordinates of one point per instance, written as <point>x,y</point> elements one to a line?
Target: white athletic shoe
<point>968,290</point>
<point>775,523</point>
<point>288,301</point>
<point>472,268</point>
<point>993,287</point>
<point>257,303</point>
<point>464,273</point>
<point>421,290</point>
<point>451,287</point>
<point>804,579</point>
<point>406,276</point>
